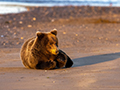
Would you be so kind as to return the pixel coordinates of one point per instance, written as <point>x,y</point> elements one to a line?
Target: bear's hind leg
<point>69,62</point>
<point>61,60</point>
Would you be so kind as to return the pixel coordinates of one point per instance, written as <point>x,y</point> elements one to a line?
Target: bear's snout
<point>55,51</point>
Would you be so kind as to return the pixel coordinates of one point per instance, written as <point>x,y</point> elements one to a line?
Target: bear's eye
<point>51,43</point>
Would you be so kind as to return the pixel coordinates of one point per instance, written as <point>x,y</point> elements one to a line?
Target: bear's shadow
<point>95,59</point>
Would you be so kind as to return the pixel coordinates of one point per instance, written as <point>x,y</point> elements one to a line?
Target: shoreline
<point>16,7</point>
<point>71,3</point>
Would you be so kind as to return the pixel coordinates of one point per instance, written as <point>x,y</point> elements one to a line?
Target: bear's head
<point>48,42</point>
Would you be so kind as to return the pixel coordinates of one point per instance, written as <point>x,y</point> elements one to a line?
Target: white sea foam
<point>4,9</point>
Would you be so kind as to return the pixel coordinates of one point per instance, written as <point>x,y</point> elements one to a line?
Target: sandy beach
<point>89,35</point>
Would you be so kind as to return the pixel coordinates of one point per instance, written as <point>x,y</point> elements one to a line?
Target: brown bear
<point>41,52</point>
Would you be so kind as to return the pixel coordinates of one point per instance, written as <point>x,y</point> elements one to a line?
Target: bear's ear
<point>39,34</point>
<point>54,31</point>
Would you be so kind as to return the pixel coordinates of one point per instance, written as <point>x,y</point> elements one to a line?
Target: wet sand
<point>89,35</point>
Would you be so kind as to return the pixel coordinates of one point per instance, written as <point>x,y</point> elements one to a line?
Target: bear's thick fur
<point>41,52</point>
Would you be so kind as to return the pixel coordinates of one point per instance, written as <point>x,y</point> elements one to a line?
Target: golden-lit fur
<point>41,52</point>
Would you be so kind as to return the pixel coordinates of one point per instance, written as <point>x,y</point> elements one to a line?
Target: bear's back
<point>25,48</point>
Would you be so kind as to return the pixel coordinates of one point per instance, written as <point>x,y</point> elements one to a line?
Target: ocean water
<point>61,2</point>
<point>16,6</point>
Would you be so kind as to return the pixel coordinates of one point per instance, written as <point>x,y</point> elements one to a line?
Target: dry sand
<point>89,35</point>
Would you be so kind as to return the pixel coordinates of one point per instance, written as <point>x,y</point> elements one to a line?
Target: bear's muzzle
<point>55,51</point>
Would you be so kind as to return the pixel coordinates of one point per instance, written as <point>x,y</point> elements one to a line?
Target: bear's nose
<point>57,52</point>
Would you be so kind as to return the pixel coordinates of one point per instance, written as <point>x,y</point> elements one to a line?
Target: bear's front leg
<point>46,65</point>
